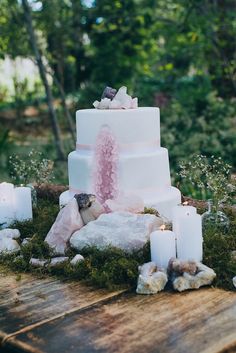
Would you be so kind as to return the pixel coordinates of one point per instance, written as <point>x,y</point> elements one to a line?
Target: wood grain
<point>191,322</point>
<point>28,300</point>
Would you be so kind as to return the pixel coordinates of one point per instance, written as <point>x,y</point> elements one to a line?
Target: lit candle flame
<point>185,203</point>
<point>162,227</point>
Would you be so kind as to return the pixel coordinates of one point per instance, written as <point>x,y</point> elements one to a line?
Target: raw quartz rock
<point>67,222</point>
<point>91,213</point>
<point>90,208</point>
<point>121,100</point>
<point>126,203</point>
<point>8,244</point>
<point>203,276</point>
<point>123,230</point>
<point>84,200</point>
<point>151,279</point>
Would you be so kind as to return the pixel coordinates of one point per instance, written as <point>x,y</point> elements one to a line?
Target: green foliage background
<point>175,54</point>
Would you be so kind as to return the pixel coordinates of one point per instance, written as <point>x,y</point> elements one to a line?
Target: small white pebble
<point>78,258</point>
<point>25,241</point>
<point>58,260</point>
<point>37,262</point>
<point>234,281</point>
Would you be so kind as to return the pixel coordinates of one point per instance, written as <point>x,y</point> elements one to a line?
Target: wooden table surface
<point>51,316</point>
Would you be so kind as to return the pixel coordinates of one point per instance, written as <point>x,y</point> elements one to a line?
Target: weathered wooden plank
<point>195,321</point>
<point>27,300</point>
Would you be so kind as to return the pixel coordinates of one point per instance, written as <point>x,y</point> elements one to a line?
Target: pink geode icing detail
<point>120,101</point>
<point>106,157</point>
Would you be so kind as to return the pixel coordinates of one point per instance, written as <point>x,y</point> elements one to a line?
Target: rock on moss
<point>122,230</point>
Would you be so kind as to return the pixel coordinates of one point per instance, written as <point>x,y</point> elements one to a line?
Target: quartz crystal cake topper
<point>109,92</point>
<point>111,99</point>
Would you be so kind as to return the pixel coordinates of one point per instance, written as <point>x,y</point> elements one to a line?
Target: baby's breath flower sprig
<point>32,169</point>
<point>211,175</point>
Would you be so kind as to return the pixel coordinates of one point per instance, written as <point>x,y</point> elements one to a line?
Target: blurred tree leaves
<point>177,54</point>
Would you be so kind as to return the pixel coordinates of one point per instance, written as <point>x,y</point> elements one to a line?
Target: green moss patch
<point>112,268</point>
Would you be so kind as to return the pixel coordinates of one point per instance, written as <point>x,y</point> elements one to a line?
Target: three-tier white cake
<point>143,167</point>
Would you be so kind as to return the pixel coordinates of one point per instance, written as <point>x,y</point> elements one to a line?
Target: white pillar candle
<point>188,228</point>
<point>182,209</point>
<point>7,204</point>
<point>179,211</point>
<point>163,247</point>
<point>23,203</point>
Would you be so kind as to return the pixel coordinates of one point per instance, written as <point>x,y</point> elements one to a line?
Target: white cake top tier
<point>139,126</point>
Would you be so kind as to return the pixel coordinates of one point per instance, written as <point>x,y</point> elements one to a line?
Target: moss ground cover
<point>112,268</point>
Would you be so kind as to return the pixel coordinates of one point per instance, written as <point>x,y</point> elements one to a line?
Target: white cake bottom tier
<point>137,171</point>
<point>162,201</point>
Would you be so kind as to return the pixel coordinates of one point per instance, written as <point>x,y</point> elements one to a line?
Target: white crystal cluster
<point>151,279</point>
<point>183,275</point>
<point>204,277</point>
<point>120,101</point>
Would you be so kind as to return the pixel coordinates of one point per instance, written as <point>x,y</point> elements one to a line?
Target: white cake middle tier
<point>147,170</point>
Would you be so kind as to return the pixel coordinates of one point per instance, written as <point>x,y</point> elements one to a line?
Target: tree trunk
<point>65,108</point>
<point>42,71</point>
